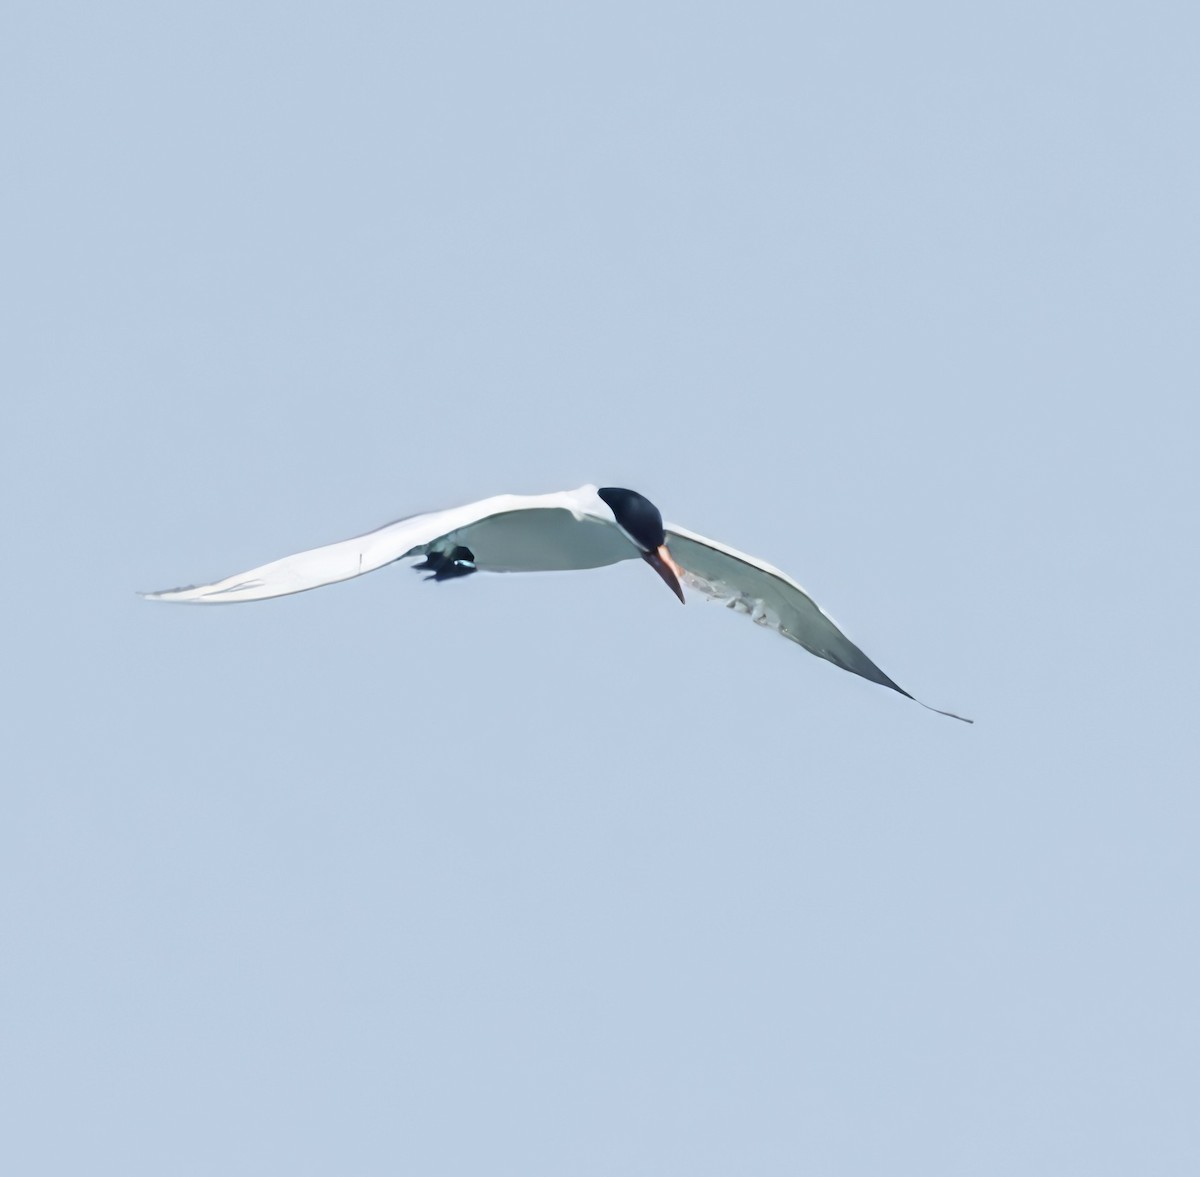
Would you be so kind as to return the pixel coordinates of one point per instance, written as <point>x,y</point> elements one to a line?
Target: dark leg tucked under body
<point>446,565</point>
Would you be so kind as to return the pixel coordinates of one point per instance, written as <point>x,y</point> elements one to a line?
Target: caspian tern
<point>585,528</point>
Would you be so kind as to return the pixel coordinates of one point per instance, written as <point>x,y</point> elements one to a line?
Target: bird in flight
<point>572,529</point>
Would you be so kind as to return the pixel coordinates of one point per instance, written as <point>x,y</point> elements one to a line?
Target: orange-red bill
<point>662,563</point>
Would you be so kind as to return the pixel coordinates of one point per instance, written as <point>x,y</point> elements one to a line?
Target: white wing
<point>773,599</point>
<point>568,529</point>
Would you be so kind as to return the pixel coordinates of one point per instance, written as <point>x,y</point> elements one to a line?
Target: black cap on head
<point>637,515</point>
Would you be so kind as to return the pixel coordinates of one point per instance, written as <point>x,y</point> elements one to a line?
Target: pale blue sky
<point>549,875</point>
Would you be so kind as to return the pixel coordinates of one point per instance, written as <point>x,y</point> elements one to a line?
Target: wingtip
<point>948,714</point>
<point>186,594</point>
<point>885,681</point>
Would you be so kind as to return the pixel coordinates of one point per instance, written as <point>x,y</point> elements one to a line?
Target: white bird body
<point>507,533</point>
<point>576,529</point>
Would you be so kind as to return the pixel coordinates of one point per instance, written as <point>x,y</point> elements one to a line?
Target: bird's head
<point>642,521</point>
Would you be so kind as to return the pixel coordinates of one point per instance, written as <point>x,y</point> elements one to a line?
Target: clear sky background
<point>530,876</point>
